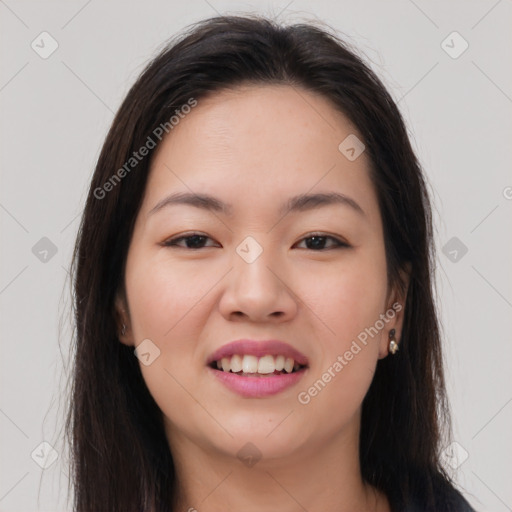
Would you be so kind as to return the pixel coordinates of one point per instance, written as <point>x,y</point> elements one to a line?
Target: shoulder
<point>447,498</point>
<point>437,494</point>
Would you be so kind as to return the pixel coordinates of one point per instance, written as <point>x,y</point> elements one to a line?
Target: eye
<point>318,241</point>
<point>314,242</point>
<point>192,241</point>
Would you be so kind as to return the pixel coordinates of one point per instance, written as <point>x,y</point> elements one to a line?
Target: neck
<point>325,477</point>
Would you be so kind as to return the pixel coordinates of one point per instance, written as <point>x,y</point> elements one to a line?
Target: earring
<point>393,345</point>
<point>123,330</point>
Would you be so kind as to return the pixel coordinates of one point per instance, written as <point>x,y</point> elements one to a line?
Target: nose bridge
<point>251,268</point>
<point>254,290</point>
<point>250,250</point>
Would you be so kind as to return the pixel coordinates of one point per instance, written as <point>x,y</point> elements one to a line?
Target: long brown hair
<point>120,456</point>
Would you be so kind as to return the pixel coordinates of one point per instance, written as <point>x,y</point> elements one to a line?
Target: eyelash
<point>173,242</point>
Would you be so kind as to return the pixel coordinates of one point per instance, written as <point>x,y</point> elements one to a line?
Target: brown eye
<point>192,241</point>
<point>319,242</point>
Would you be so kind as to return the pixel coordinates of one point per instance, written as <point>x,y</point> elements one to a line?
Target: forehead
<point>247,119</point>
<point>260,143</point>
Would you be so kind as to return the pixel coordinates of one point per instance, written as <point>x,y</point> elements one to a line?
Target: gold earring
<point>393,345</point>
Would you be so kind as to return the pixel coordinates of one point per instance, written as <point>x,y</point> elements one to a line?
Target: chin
<point>275,435</point>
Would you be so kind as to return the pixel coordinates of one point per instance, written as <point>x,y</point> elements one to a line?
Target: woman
<point>256,328</point>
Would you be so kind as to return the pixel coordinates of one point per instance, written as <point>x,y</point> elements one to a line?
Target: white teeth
<point>236,363</point>
<point>249,364</point>
<point>225,364</point>
<point>279,363</point>
<point>263,365</point>
<point>288,365</point>
<point>266,364</point>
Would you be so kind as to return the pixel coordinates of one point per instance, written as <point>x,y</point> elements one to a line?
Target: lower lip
<point>258,387</point>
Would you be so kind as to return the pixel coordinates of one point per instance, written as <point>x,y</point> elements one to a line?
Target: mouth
<point>256,369</point>
<point>252,366</point>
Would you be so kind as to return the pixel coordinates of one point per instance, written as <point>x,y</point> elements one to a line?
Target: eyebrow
<point>300,203</point>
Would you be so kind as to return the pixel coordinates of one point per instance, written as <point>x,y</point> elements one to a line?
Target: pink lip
<point>258,349</point>
<point>257,387</point>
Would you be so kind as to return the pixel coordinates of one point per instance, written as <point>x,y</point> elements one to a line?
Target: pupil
<point>316,242</point>
<point>195,241</point>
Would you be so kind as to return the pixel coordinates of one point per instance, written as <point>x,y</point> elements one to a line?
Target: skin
<point>253,147</point>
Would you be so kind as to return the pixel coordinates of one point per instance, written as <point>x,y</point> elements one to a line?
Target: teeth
<point>225,364</point>
<point>249,364</point>
<point>262,365</point>
<point>288,365</point>
<point>266,364</point>
<point>236,363</point>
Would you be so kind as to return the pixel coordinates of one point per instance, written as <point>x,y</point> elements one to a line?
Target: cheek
<point>348,302</point>
<point>164,296</point>
<point>346,297</point>
<point>167,306</point>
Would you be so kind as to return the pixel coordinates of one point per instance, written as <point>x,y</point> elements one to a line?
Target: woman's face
<point>259,265</point>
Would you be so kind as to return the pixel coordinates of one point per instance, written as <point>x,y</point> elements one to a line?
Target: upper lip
<point>258,349</point>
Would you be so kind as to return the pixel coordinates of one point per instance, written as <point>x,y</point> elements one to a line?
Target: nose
<point>258,291</point>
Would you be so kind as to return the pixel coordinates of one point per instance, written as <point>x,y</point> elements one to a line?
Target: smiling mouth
<point>253,366</point>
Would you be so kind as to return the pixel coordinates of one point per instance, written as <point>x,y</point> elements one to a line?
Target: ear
<point>123,324</point>
<point>395,311</point>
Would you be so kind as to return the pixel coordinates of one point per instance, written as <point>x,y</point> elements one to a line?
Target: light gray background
<point>55,115</point>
